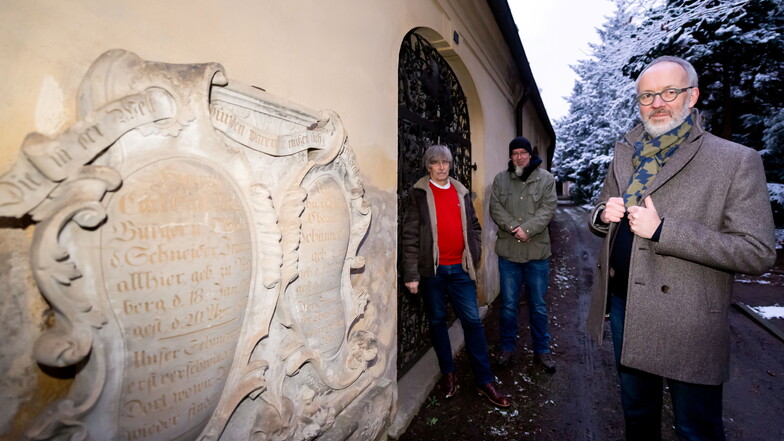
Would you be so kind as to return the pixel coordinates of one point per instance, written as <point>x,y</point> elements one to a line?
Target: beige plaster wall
<point>337,55</point>
<point>533,129</point>
<point>340,55</point>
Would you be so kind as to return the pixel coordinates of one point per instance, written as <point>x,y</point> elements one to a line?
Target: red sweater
<point>449,225</point>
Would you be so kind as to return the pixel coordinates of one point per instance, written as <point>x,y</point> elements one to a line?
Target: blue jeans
<point>536,274</point>
<point>455,285</point>
<point>697,408</point>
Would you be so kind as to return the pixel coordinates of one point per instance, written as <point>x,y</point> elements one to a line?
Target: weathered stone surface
<point>22,317</point>
<point>197,241</point>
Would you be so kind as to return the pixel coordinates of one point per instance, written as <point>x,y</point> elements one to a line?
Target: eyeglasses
<point>667,95</point>
<point>439,162</point>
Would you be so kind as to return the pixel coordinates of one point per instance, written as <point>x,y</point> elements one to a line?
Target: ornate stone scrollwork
<point>77,200</point>
<point>197,236</point>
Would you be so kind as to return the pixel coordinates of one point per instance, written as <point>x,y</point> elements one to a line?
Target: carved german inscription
<point>177,265</point>
<point>317,295</point>
<point>194,239</point>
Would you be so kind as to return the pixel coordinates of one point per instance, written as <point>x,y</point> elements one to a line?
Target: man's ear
<point>693,96</point>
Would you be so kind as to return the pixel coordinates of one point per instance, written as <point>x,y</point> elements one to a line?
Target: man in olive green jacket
<point>522,204</point>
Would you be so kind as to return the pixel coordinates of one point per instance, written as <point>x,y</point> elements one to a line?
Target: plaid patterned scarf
<point>650,155</point>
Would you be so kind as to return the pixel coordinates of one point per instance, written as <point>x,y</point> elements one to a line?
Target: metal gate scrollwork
<point>432,109</point>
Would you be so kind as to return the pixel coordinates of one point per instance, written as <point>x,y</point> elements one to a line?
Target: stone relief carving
<point>196,240</point>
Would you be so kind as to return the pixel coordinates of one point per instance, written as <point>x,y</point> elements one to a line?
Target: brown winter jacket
<point>420,233</point>
<point>717,222</point>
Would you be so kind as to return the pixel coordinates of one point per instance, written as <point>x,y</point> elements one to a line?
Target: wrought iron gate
<point>432,109</point>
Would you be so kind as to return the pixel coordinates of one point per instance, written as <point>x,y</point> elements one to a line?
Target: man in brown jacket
<point>442,241</point>
<point>681,211</point>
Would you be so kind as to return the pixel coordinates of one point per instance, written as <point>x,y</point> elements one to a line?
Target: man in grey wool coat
<point>681,212</point>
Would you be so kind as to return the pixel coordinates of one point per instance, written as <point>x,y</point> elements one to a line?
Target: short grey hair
<point>437,152</point>
<point>691,74</point>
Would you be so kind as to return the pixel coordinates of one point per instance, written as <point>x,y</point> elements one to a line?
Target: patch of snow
<point>757,282</point>
<point>498,432</point>
<point>769,312</point>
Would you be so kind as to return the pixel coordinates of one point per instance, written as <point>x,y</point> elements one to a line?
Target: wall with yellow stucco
<point>340,55</point>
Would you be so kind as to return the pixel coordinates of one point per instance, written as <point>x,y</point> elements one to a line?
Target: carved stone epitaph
<point>176,259</point>
<point>316,295</point>
<point>196,240</point>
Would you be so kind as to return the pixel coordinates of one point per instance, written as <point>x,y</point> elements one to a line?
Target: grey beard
<point>519,170</point>
<point>655,131</point>
<point>678,118</point>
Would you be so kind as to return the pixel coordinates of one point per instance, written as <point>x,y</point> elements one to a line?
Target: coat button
<point>665,289</point>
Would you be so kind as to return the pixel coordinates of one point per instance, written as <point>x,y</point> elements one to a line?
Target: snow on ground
<point>769,312</point>
<point>770,278</point>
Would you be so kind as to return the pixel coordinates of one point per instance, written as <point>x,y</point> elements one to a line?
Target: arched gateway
<point>432,109</point>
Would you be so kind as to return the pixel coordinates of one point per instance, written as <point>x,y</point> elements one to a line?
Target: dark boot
<point>503,358</point>
<point>546,361</point>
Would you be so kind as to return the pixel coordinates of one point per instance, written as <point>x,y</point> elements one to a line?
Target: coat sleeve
<point>475,228</point>
<point>745,243</point>
<point>498,212</point>
<point>609,189</point>
<point>410,240</point>
<point>544,211</point>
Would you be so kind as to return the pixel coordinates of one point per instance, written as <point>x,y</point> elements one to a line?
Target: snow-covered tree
<point>773,146</point>
<point>601,110</point>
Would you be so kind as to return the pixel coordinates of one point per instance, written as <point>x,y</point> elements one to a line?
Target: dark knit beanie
<point>520,143</point>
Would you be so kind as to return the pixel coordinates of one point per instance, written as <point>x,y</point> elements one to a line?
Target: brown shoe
<point>503,358</point>
<point>489,390</point>
<point>546,361</point>
<point>449,385</point>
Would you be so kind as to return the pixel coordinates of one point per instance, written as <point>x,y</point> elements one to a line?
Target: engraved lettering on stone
<point>317,301</point>
<point>248,134</point>
<point>177,268</point>
<point>211,285</point>
<point>47,161</point>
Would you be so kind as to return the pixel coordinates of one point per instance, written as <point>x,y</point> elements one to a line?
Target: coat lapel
<point>676,163</point>
<point>623,165</point>
<point>680,158</point>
